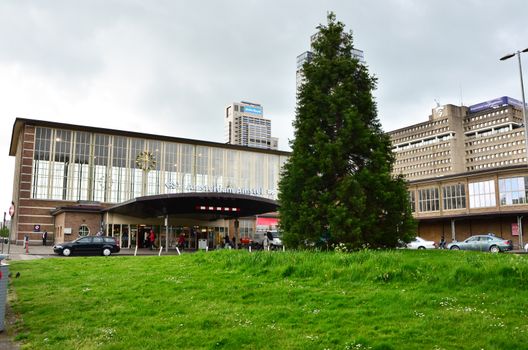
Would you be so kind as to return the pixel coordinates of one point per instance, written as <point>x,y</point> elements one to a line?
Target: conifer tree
<point>337,186</point>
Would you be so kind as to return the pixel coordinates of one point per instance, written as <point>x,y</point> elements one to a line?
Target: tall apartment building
<point>458,139</point>
<point>246,126</point>
<point>307,57</point>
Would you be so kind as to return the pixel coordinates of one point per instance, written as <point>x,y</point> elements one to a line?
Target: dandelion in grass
<point>108,333</point>
<point>419,314</point>
<point>354,345</point>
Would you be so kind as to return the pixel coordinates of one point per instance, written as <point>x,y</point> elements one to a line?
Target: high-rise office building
<point>458,139</point>
<point>246,126</point>
<point>307,57</point>
<point>466,170</point>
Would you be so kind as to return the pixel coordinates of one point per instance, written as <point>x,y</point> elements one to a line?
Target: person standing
<point>181,241</point>
<point>125,240</point>
<point>265,242</point>
<point>44,237</point>
<point>152,239</point>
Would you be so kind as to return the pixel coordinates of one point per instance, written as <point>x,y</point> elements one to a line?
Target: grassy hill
<point>274,300</point>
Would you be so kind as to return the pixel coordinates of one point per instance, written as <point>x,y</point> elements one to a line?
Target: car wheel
<point>107,252</point>
<point>494,249</point>
<point>66,252</point>
<point>421,247</point>
<point>455,247</point>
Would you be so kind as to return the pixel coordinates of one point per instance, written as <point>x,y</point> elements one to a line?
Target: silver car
<point>420,243</point>
<point>483,243</point>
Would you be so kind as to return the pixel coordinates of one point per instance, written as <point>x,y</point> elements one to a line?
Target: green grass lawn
<point>274,300</point>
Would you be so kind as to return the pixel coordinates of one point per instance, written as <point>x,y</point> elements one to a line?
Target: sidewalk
<point>18,252</point>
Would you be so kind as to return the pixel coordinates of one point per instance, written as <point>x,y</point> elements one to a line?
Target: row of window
<point>423,150</point>
<point>422,135</point>
<point>488,123</point>
<point>428,172</point>
<point>420,127</point>
<point>497,164</point>
<point>496,155</point>
<point>255,121</point>
<point>489,132</point>
<point>495,139</point>
<point>495,147</point>
<point>426,165</point>
<point>487,115</point>
<point>512,191</point>
<point>423,157</point>
<point>424,142</point>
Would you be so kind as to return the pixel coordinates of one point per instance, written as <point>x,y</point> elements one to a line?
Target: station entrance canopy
<point>200,205</point>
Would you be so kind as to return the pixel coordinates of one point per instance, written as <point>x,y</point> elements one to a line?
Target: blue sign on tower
<point>252,110</point>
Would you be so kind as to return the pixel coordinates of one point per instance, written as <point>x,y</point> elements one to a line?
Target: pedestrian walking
<point>44,237</point>
<point>152,239</point>
<point>266,242</point>
<point>442,244</point>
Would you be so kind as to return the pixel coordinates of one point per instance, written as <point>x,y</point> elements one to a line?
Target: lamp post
<point>508,56</point>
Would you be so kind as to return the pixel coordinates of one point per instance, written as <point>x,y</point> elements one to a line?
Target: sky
<point>170,67</point>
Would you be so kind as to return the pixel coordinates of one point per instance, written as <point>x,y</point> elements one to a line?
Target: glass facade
<point>428,199</point>
<point>79,165</point>
<point>513,190</point>
<point>482,194</point>
<point>454,196</point>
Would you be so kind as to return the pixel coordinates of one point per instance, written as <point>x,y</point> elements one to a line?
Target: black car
<point>88,245</point>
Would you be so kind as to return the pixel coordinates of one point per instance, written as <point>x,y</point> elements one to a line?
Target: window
<point>482,194</point>
<point>428,199</point>
<point>412,200</point>
<point>85,240</point>
<point>41,164</point>
<point>513,190</point>
<point>84,230</point>
<point>454,196</point>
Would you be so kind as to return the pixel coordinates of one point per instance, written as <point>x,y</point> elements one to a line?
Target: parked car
<point>420,243</point>
<point>483,243</point>
<point>88,245</point>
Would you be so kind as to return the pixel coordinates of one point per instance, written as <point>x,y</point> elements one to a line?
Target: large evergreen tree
<point>337,185</point>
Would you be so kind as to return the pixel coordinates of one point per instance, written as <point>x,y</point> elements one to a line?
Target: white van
<point>274,238</point>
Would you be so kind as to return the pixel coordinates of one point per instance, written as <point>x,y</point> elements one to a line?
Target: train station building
<point>73,180</point>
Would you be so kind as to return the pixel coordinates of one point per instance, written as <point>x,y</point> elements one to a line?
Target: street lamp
<point>504,58</point>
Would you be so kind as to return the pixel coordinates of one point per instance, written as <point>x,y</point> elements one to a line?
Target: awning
<point>206,205</point>
<point>267,221</point>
